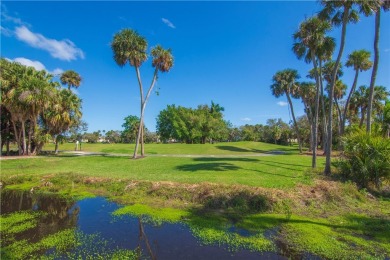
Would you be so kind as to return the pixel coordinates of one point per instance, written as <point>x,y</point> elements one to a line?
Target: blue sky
<point>224,51</point>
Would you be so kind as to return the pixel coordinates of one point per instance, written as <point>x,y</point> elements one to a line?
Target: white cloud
<point>35,64</point>
<point>63,49</point>
<point>246,119</point>
<point>57,71</point>
<point>168,23</point>
<point>6,17</point>
<point>5,31</point>
<point>282,103</point>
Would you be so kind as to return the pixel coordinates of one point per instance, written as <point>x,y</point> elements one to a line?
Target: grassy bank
<point>277,198</point>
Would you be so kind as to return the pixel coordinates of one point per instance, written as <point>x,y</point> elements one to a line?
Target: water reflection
<point>59,214</point>
<point>94,215</point>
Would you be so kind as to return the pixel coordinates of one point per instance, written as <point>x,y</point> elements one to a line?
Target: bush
<point>366,159</point>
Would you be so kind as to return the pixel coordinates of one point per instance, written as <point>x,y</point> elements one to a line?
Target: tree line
<point>35,108</point>
<point>327,112</point>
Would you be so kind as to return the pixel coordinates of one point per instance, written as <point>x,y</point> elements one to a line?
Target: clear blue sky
<point>224,51</point>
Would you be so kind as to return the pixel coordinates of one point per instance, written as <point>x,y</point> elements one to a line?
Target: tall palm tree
<point>284,83</point>
<point>71,79</point>
<point>338,12</point>
<point>307,92</point>
<point>360,61</point>
<point>310,44</point>
<point>375,6</point>
<point>130,47</point>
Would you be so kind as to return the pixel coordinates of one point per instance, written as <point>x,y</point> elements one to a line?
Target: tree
<point>307,92</point>
<point>339,91</point>
<point>360,61</point>
<point>62,115</point>
<point>37,106</point>
<point>284,83</point>
<point>338,12</point>
<point>113,136</point>
<point>312,44</point>
<point>360,98</point>
<point>130,47</point>
<point>376,6</point>
<point>71,79</point>
<point>192,125</point>
<point>131,125</point>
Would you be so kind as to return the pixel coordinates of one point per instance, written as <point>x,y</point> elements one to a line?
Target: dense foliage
<point>200,125</point>
<point>34,108</point>
<point>366,159</point>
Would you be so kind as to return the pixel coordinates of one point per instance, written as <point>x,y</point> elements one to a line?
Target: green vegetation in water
<point>160,215</point>
<point>338,238</point>
<point>69,244</point>
<point>210,229</point>
<point>17,222</point>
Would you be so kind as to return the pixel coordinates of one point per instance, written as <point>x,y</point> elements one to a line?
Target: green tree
<point>130,47</point>
<point>338,12</point>
<point>311,43</point>
<point>131,125</point>
<point>284,83</point>
<point>70,78</point>
<point>360,61</point>
<point>368,7</point>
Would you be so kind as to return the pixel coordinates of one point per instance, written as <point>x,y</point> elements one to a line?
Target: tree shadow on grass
<point>225,159</point>
<point>219,167</point>
<point>277,164</point>
<point>286,151</point>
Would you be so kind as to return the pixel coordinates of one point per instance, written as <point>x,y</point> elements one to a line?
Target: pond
<point>96,232</point>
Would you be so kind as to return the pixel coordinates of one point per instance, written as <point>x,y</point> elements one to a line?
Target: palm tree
<point>64,112</point>
<point>339,12</point>
<point>312,44</point>
<point>307,92</point>
<point>71,79</point>
<point>130,47</point>
<point>360,98</point>
<point>375,6</point>
<point>360,61</point>
<point>284,83</point>
<point>339,92</point>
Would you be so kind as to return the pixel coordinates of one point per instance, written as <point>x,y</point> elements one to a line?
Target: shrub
<point>366,159</point>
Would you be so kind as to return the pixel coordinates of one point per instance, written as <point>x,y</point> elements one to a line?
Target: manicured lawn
<point>266,171</point>
<point>238,148</point>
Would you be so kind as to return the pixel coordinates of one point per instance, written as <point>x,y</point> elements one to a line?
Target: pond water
<point>94,216</point>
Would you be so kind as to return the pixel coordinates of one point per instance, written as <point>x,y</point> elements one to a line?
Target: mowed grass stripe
<point>279,171</point>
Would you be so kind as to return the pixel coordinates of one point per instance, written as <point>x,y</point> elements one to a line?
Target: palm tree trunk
<point>346,108</point>
<point>295,122</point>
<point>24,138</point>
<point>331,91</point>
<point>143,111</point>
<point>56,146</point>
<point>30,133</point>
<point>338,115</point>
<point>141,91</point>
<point>17,137</point>
<point>316,108</point>
<point>324,132</point>
<point>374,69</point>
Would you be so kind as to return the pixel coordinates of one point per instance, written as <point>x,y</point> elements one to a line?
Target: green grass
<point>237,148</point>
<point>269,171</point>
<point>326,218</point>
